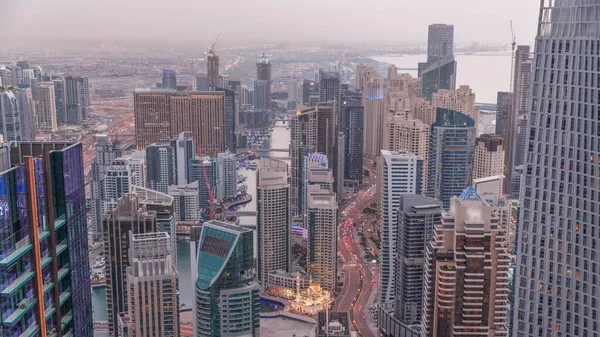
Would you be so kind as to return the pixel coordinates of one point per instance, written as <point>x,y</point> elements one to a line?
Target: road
<point>360,277</point>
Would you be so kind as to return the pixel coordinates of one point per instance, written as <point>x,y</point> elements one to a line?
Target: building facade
<point>273,217</point>
<point>227,297</point>
<point>489,156</point>
<point>161,167</point>
<point>466,272</point>
<point>77,96</point>
<point>558,224</point>
<point>169,79</point>
<point>46,107</point>
<point>321,257</point>
<point>186,202</point>
<point>106,153</point>
<point>400,173</point>
<point>128,218</point>
<point>303,140</point>
<point>226,175</point>
<point>44,254</point>
<point>152,287</point>
<point>10,116</point>
<point>451,150</point>
<point>185,149</point>
<point>352,115</point>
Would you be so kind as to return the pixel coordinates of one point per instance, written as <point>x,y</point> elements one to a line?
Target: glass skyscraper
<point>45,289</point>
<point>557,291</point>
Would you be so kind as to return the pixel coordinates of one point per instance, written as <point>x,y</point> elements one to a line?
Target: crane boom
<point>512,56</point>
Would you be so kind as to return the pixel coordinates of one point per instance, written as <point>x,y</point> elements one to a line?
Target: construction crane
<point>512,56</point>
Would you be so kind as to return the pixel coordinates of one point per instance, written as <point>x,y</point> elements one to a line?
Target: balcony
<point>31,331</point>
<point>66,319</point>
<point>15,255</point>
<point>61,248</point>
<point>63,272</point>
<point>65,296</point>
<point>49,312</point>
<point>22,308</point>
<point>17,284</point>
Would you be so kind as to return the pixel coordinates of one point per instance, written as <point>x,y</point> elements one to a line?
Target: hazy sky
<point>375,21</point>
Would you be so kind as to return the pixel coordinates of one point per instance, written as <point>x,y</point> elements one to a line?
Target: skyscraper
<point>261,90</point>
<point>401,173</point>
<point>417,217</point>
<point>106,152</point>
<point>489,156</point>
<point>273,218</point>
<point>28,115</point>
<point>309,89</point>
<point>229,119</point>
<point>201,83</point>
<point>77,95</point>
<point>186,202</point>
<point>461,100</point>
<point>212,69</point>
<point>303,141</point>
<point>504,109</point>
<point>226,175</point>
<point>169,79</point>
<point>152,287</point>
<point>61,100</point>
<point>329,86</point>
<point>451,149</point>
<point>227,297</point>
<point>558,223</point>
<point>119,179</point>
<point>185,149</point>
<point>128,218</point>
<point>518,119</point>
<point>317,177</point>
<point>439,71</point>
<point>161,167</point>
<point>10,112</point>
<point>263,73</point>
<point>44,247</point>
<point>204,171</point>
<point>352,117</point>
<point>466,272</point>
<point>46,108</point>
<point>321,256</point>
<point>161,115</point>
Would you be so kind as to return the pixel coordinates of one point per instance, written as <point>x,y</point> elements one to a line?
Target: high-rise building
<point>327,130</point>
<point>152,287</point>
<point>518,120</point>
<point>466,272</point>
<point>161,167</point>
<point>273,218</point>
<point>309,89</point>
<point>400,173</point>
<point>316,173</point>
<point>321,256</point>
<point>417,217</point>
<point>119,179</point>
<point>164,206</point>
<point>261,100</point>
<point>106,152</point>
<point>227,297</point>
<point>439,71</point>
<point>186,202</point>
<point>489,156</point>
<point>46,107</point>
<point>263,73</point>
<point>451,149</point>
<point>352,117</point>
<point>229,119</point>
<point>10,116</point>
<point>404,133</point>
<point>504,108</point>
<point>363,74</point>
<point>169,79</point>
<point>303,141</point>
<point>77,97</point>
<point>212,69</point>
<point>558,217</point>
<point>185,149</point>
<point>28,115</point>
<point>226,175</point>
<point>201,83</point>
<point>61,100</point>
<point>329,86</point>
<point>375,116</point>
<point>461,100</point>
<point>161,115</point>
<point>44,250</point>
<point>204,171</point>
<point>128,218</point>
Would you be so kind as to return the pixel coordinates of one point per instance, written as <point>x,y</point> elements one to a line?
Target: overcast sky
<point>330,21</point>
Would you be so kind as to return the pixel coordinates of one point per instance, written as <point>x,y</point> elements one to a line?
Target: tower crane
<point>512,56</point>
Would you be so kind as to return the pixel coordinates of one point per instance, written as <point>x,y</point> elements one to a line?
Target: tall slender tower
<point>273,220</point>
<point>46,108</point>
<point>161,167</point>
<point>401,173</point>
<point>321,259</point>
<point>557,271</point>
<point>263,73</point>
<point>212,69</point>
<point>439,72</point>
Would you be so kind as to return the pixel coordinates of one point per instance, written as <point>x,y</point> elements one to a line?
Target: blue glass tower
<point>451,148</point>
<point>45,288</point>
